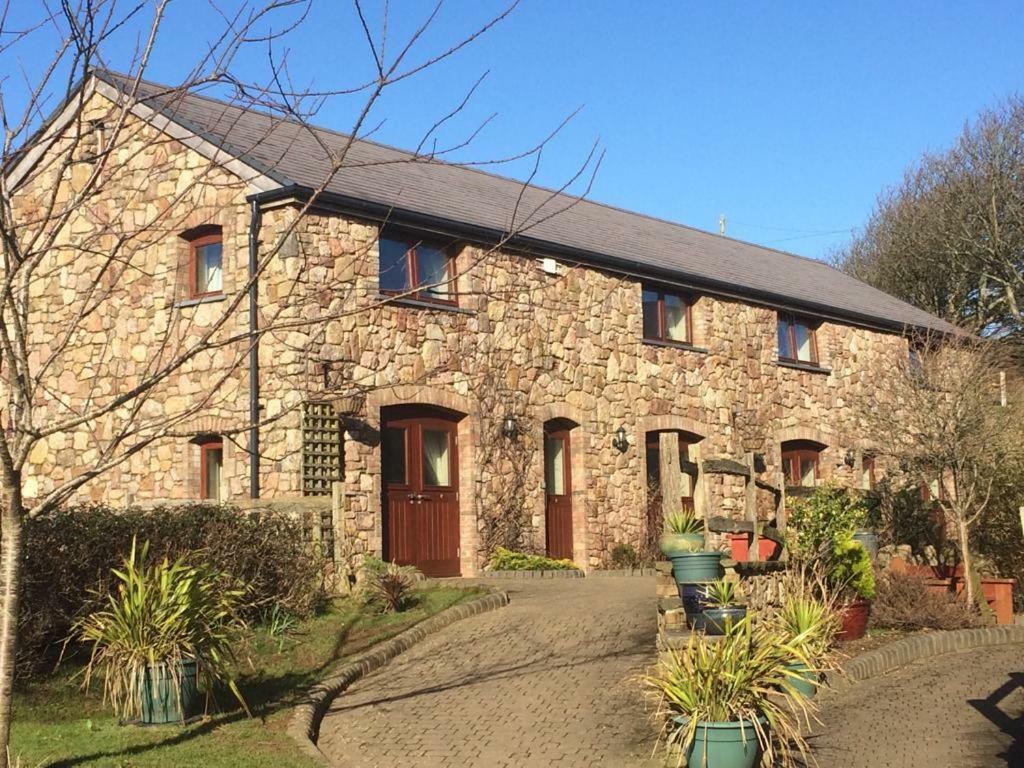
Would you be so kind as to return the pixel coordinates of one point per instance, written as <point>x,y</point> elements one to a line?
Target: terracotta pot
<point>766,548</point>
<point>853,620</point>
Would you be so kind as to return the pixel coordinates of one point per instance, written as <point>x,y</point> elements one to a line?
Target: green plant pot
<point>162,700</point>
<point>805,681</point>
<point>695,567</point>
<point>673,544</point>
<point>723,745</point>
<point>718,620</point>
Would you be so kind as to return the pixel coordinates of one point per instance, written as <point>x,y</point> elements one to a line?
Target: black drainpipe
<point>254,354</point>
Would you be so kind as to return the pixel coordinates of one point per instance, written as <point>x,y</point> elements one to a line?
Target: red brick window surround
<point>667,316</point>
<point>211,467</point>
<point>417,269</point>
<point>800,463</point>
<point>205,262</point>
<point>798,341</point>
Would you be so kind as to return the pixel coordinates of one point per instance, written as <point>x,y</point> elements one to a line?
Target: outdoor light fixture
<point>850,459</point>
<point>508,427</point>
<point>619,440</point>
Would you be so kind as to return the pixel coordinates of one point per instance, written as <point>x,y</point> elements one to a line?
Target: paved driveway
<point>955,710</point>
<point>541,682</point>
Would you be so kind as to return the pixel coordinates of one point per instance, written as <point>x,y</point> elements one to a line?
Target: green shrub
<point>506,560</point>
<point>625,556</point>
<point>830,514</point>
<point>162,613</point>
<point>850,569</point>
<point>69,556</point>
<point>388,585</point>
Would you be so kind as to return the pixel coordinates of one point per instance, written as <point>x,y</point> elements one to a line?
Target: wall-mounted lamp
<point>508,427</point>
<point>850,459</point>
<point>619,440</point>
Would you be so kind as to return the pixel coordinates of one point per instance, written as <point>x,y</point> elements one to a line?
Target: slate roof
<point>291,154</point>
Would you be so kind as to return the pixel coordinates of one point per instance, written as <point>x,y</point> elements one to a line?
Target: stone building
<point>475,361</point>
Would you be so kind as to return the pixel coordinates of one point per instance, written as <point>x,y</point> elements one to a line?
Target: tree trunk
<point>965,554</point>
<point>11,544</point>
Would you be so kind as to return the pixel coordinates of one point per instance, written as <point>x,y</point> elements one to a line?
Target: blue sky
<point>789,118</point>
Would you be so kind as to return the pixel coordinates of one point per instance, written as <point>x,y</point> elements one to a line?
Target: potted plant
<point>683,532</point>
<point>809,625</point>
<point>723,608</point>
<point>167,627</point>
<point>719,700</point>
<point>850,574</point>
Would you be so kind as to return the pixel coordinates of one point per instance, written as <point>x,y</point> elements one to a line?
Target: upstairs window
<point>666,316</point>
<point>416,268</point>
<point>206,275</point>
<point>800,463</point>
<point>797,341</point>
<point>211,468</point>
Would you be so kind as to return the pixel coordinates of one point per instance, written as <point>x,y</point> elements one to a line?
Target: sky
<point>786,118</point>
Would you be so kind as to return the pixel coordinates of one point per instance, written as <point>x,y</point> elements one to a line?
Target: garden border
<point>899,653</point>
<point>567,573</point>
<point>304,727</point>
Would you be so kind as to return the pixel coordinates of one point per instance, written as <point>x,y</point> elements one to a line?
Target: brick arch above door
<point>419,394</point>
<point>669,422</point>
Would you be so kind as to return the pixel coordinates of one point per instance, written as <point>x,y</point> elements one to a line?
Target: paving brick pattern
<point>544,681</point>
<point>962,710</point>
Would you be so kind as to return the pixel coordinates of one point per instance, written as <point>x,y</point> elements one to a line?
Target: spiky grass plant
<point>736,678</point>
<point>390,584</point>
<point>723,593</point>
<point>683,522</point>
<point>162,613</point>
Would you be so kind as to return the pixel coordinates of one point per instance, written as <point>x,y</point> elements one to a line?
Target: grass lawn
<point>56,724</point>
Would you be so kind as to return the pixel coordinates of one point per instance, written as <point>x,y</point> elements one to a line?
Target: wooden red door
<point>419,458</point>
<point>558,492</point>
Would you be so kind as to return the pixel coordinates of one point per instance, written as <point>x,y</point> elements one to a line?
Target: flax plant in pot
<point>810,625</point>
<point>684,532</point>
<point>166,627</point>
<point>719,700</point>
<point>723,607</point>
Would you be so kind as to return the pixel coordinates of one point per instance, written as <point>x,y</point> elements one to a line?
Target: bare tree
<point>89,201</point>
<point>950,237</point>
<point>939,417</point>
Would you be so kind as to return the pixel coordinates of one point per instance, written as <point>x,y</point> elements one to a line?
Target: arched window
<point>205,261</point>
<point>800,463</point>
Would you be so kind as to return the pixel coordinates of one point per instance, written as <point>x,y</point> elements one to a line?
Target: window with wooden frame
<point>211,467</point>
<point>867,472</point>
<point>800,463</point>
<point>667,316</point>
<point>798,341</point>
<point>416,268</point>
<point>205,262</point>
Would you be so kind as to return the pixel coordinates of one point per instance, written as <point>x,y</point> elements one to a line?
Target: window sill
<point>676,345</point>
<point>801,366</point>
<point>212,299</point>
<point>420,304</point>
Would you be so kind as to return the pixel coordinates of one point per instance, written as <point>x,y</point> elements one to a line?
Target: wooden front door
<point>558,490</point>
<point>419,458</point>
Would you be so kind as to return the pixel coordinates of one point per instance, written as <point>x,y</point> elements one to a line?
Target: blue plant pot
<point>718,620</point>
<point>723,745</point>
<point>696,567</point>
<point>694,599</point>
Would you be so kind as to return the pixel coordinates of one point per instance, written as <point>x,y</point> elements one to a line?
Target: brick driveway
<point>541,682</point>
<point>962,710</point>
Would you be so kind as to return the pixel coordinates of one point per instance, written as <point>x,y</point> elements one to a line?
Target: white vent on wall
<point>549,265</point>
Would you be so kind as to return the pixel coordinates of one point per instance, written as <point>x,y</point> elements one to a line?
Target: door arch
<point>420,488</point>
<point>558,510</point>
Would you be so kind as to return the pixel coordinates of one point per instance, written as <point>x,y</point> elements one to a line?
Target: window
<point>206,276</point>
<point>211,468</point>
<point>797,342</point>
<point>653,446</point>
<point>867,472</point>
<point>415,267</point>
<point>800,463</point>
<point>666,316</point>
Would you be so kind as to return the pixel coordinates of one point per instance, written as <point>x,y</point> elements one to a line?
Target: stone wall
<point>522,342</point>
